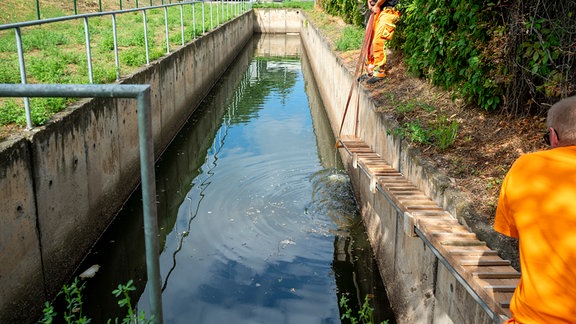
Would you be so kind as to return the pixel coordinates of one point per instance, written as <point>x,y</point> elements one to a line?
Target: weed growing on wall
<point>445,132</point>
<point>72,296</point>
<point>365,314</point>
<point>440,132</point>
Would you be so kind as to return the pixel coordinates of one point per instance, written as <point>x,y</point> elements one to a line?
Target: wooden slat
<point>497,275</point>
<point>485,262</point>
<point>490,276</point>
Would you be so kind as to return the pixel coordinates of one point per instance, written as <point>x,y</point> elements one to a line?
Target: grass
<point>440,131</point>
<point>306,5</point>
<point>56,52</point>
<point>351,38</point>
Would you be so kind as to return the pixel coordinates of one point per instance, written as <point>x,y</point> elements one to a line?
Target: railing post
<point>38,9</point>
<point>218,8</point>
<point>182,23</point>
<point>23,76</point>
<point>166,25</point>
<point>203,19</point>
<point>88,54</point>
<point>194,19</point>
<point>149,204</point>
<point>115,37</point>
<point>146,38</point>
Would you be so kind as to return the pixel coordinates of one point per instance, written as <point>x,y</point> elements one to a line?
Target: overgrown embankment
<point>514,56</point>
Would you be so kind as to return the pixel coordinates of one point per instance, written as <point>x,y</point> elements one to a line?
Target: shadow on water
<point>212,265</point>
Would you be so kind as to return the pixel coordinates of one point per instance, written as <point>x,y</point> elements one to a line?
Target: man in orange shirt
<point>537,205</point>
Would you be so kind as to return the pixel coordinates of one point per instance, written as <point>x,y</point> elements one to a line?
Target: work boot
<point>364,77</point>
<point>374,80</point>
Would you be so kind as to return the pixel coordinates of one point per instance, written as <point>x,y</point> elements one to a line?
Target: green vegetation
<point>511,55</point>
<point>449,45</point>
<point>56,52</point>
<point>307,5</point>
<point>351,11</point>
<point>440,132</point>
<point>365,313</point>
<point>444,132</point>
<point>350,39</point>
<point>72,295</point>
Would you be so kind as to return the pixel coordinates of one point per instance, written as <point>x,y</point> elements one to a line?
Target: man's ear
<point>554,141</point>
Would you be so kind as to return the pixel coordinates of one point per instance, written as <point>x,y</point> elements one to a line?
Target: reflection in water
<point>257,220</point>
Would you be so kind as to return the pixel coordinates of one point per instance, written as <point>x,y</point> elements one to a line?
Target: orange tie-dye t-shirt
<point>537,205</point>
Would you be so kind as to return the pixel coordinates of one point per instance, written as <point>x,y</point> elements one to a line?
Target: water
<point>257,219</point>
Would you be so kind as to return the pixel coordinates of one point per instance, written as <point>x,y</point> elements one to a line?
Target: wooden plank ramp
<point>492,278</point>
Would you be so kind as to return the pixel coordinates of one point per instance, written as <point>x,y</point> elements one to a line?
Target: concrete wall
<point>63,183</point>
<point>422,287</point>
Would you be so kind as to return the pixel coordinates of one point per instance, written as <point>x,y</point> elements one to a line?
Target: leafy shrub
<point>449,44</point>
<point>351,11</point>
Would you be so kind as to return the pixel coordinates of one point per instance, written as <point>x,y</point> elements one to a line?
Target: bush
<point>450,44</point>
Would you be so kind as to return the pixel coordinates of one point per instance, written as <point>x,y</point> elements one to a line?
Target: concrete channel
<point>61,185</point>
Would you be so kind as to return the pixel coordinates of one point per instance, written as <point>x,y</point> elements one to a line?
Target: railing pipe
<point>17,27</point>
<point>88,54</point>
<point>23,76</point>
<point>146,142</point>
<point>89,15</point>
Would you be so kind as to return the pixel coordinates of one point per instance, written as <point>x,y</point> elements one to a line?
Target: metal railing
<point>146,142</point>
<point>223,9</point>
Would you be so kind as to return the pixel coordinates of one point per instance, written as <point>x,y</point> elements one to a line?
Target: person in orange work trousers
<point>385,17</point>
<point>537,205</point>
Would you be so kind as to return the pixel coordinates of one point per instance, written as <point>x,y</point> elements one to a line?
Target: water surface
<point>258,223</point>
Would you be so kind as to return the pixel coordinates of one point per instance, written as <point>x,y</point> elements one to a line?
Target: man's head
<point>562,118</point>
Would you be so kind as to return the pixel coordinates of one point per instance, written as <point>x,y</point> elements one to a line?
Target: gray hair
<point>562,117</point>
